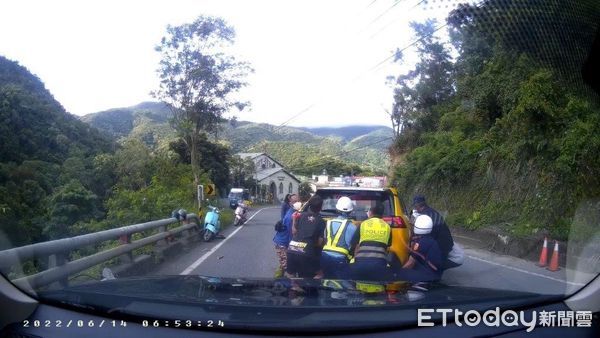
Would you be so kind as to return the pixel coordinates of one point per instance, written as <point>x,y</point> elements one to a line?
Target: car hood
<point>280,292</point>
<point>280,305</point>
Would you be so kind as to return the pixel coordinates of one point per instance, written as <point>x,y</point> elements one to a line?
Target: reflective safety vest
<point>336,242</point>
<point>369,287</point>
<point>377,232</point>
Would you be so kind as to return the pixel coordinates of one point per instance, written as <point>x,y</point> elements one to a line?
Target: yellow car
<point>363,199</point>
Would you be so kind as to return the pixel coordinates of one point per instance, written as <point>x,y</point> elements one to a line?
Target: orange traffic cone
<point>544,254</point>
<point>554,260</point>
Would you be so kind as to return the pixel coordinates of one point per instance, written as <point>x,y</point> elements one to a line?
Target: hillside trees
<point>419,93</point>
<point>500,148</point>
<point>243,172</point>
<point>47,162</point>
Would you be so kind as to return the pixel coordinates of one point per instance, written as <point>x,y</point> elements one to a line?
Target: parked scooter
<point>240,214</point>
<point>212,224</point>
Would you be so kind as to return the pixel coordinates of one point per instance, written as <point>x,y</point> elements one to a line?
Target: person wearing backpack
<point>283,236</point>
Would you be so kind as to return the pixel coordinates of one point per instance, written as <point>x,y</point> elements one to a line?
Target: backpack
<point>457,255</point>
<point>279,226</point>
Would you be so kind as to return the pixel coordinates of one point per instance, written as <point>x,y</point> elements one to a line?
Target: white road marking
<point>216,247</point>
<point>525,271</point>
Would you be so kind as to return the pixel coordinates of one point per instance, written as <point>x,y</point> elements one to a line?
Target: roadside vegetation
<point>505,134</point>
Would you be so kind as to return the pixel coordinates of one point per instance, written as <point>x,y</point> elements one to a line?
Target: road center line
<point>525,271</point>
<point>216,247</point>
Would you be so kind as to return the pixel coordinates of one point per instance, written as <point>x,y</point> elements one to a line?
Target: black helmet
<point>182,214</point>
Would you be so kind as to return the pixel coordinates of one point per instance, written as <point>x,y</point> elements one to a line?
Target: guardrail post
<point>159,255</point>
<point>128,257</point>
<point>54,261</point>
<point>161,229</point>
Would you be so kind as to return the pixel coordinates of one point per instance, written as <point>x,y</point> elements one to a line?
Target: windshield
<point>362,201</point>
<point>464,134</point>
<point>235,195</point>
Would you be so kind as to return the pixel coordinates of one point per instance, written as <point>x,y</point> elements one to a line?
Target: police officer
<point>341,237</point>
<point>370,258</point>
<point>425,257</point>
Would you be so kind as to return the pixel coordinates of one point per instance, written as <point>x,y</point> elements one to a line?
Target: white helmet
<point>344,204</point>
<point>423,225</point>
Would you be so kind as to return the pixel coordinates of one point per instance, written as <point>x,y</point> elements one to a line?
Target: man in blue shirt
<point>282,238</point>
<point>341,237</point>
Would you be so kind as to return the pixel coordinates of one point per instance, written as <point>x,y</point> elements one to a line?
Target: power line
<point>372,69</point>
<point>366,145</point>
<point>345,152</point>
<point>309,107</point>
<point>384,12</point>
<point>406,47</point>
<point>394,21</point>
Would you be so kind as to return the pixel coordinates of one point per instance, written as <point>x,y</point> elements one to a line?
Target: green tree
<point>215,165</point>
<point>242,172</point>
<point>511,145</point>
<point>133,165</point>
<point>429,84</point>
<point>304,191</point>
<point>197,78</point>
<point>69,204</point>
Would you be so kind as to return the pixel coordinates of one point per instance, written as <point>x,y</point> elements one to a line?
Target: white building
<point>273,175</point>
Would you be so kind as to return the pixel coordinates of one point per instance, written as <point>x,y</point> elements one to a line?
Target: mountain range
<point>365,146</point>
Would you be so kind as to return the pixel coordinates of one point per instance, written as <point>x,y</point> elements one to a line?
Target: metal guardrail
<point>56,251</point>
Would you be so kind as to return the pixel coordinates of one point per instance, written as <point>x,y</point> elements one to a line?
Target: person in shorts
<point>304,250</point>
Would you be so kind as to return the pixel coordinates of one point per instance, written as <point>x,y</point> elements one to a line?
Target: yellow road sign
<point>210,190</point>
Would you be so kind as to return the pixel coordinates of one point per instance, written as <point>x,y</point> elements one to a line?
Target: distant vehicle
<point>240,214</point>
<point>365,198</point>
<point>237,195</point>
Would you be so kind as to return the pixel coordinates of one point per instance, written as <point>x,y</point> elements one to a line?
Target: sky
<point>316,63</point>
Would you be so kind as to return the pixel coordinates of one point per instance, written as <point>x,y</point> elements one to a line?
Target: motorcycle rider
<point>341,237</point>
<point>240,213</point>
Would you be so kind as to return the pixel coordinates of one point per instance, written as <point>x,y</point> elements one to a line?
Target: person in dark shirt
<point>304,250</point>
<point>424,263</point>
<point>440,231</point>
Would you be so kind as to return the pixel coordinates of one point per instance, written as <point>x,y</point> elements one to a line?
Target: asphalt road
<point>248,251</point>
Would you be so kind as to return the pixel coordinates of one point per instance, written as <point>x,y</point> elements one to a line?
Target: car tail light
<point>395,222</point>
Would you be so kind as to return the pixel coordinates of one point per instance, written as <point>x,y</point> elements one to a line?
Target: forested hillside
<point>60,177</point>
<point>304,150</point>
<point>506,134</point>
<point>147,121</point>
<point>50,175</point>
